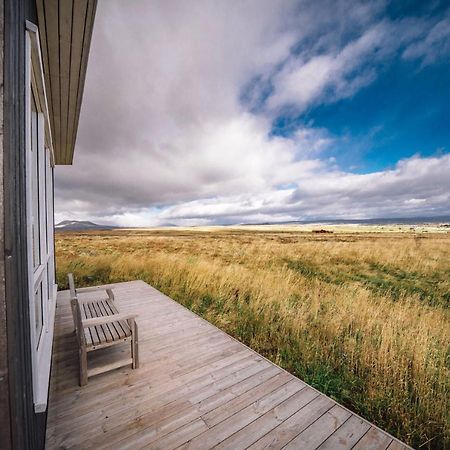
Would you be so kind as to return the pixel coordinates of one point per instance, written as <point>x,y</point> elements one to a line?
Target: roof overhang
<point>65,31</point>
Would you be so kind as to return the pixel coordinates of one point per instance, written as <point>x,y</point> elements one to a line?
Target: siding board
<point>80,10</point>
<point>65,49</point>
<point>5,430</point>
<point>87,37</point>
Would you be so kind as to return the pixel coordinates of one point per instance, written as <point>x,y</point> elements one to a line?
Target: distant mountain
<point>80,225</point>
<point>379,221</point>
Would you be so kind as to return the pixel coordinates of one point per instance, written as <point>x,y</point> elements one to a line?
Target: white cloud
<point>414,185</point>
<point>422,182</point>
<point>339,72</point>
<point>165,136</point>
<point>433,46</point>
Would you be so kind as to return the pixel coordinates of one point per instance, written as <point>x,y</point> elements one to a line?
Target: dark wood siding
<point>26,429</point>
<point>5,431</point>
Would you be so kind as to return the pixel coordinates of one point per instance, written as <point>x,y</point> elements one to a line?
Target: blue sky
<point>263,110</point>
<point>404,112</point>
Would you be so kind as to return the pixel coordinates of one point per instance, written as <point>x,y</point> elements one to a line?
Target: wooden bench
<point>99,324</point>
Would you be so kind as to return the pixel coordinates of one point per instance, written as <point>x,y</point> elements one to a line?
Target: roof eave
<point>65,29</point>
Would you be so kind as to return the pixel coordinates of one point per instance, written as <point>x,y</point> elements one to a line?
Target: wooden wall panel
<point>65,28</point>
<point>5,428</point>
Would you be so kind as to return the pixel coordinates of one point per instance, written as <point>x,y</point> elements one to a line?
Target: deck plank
<point>196,388</point>
<point>236,422</point>
<point>293,426</point>
<point>347,435</point>
<point>320,430</point>
<point>374,439</point>
<point>267,422</point>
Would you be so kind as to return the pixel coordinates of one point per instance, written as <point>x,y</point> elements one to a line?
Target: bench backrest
<point>76,313</point>
<point>73,292</point>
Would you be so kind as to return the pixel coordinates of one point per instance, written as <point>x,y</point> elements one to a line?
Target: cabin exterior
<point>44,47</point>
<point>196,386</point>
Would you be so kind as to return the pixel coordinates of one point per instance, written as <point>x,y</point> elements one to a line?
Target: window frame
<point>41,277</point>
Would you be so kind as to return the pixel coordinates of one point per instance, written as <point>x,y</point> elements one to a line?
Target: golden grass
<point>361,316</point>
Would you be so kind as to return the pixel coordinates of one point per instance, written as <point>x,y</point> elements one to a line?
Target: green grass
<point>381,279</point>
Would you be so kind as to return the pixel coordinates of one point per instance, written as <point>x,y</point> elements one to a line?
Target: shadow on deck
<point>196,388</point>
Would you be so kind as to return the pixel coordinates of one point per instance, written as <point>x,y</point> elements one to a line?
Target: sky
<point>208,112</point>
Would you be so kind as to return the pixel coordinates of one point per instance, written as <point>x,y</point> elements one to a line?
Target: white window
<point>41,264</point>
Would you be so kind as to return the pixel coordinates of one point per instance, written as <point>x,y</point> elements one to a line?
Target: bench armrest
<point>107,319</point>
<point>109,294</point>
<point>89,289</point>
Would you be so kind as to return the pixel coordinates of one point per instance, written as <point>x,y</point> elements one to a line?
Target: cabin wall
<point>20,427</point>
<point>5,432</point>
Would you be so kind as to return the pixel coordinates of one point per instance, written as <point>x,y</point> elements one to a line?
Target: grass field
<point>362,316</point>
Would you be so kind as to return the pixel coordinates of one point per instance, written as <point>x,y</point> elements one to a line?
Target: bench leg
<point>134,345</point>
<point>83,367</point>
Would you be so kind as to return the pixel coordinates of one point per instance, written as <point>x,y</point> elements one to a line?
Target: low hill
<point>80,225</point>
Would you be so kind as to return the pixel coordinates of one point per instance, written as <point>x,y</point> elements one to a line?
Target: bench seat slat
<point>85,313</point>
<point>100,329</point>
<point>121,327</point>
<point>112,326</point>
<point>94,330</point>
<point>125,329</point>
<point>122,331</point>
<point>107,327</point>
<point>111,306</point>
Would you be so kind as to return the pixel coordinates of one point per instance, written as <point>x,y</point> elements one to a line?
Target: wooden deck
<point>196,388</point>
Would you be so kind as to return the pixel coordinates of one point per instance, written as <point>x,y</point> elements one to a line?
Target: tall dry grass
<point>363,318</point>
